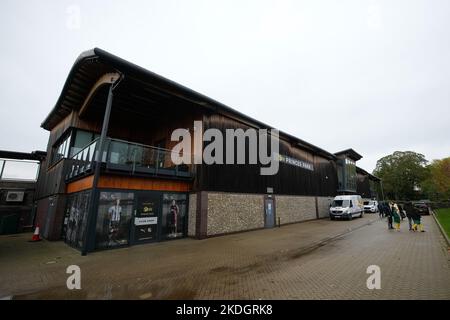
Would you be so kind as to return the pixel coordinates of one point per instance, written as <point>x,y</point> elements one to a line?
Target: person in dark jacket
<point>388,213</point>
<point>401,211</point>
<point>409,208</point>
<point>380,209</point>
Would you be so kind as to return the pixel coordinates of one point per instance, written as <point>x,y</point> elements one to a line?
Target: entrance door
<point>147,213</point>
<point>269,221</point>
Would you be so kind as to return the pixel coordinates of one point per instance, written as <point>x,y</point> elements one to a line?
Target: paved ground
<point>301,261</point>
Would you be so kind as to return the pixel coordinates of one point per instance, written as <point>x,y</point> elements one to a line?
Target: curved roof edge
<point>125,66</point>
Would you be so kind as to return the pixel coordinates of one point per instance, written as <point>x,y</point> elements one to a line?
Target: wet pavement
<point>320,259</point>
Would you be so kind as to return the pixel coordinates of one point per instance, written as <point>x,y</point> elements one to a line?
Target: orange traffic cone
<point>36,236</point>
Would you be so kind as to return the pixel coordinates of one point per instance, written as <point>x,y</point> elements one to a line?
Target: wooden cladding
<point>129,183</point>
<point>80,185</point>
<point>289,180</point>
<point>136,183</point>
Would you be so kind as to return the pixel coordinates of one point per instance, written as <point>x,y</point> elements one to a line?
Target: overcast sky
<point>363,74</point>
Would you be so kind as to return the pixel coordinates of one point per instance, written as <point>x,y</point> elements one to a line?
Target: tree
<point>402,174</point>
<point>437,185</point>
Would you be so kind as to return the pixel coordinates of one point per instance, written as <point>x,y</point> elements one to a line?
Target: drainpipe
<point>89,232</point>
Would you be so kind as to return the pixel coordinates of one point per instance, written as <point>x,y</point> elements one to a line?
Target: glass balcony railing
<point>119,155</point>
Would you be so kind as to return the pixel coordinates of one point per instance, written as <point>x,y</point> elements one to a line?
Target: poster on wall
<point>114,218</point>
<point>145,228</point>
<point>174,215</point>
<point>75,218</point>
<point>146,220</point>
<point>147,208</point>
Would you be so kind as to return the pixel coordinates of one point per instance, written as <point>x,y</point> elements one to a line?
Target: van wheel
<point>350,217</point>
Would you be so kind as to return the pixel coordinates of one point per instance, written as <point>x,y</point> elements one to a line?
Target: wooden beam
<point>107,78</point>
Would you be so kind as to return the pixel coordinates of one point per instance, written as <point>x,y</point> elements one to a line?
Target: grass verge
<point>443,215</point>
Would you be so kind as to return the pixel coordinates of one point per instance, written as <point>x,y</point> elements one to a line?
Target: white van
<point>346,207</point>
<point>370,206</point>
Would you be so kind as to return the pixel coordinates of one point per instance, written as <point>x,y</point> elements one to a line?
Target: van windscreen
<point>340,203</point>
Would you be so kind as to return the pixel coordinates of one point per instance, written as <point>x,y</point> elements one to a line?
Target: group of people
<point>395,213</point>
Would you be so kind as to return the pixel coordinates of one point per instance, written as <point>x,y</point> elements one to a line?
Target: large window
<point>115,210</point>
<point>61,149</point>
<point>350,170</point>
<point>71,143</point>
<point>82,139</point>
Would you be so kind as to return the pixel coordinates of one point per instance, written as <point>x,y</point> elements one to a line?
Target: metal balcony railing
<point>125,156</point>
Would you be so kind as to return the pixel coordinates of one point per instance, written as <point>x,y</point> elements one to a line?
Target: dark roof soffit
<point>125,67</point>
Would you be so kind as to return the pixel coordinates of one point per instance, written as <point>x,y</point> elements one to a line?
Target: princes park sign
<point>296,162</point>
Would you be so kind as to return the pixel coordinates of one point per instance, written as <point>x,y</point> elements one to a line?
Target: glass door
<point>146,217</point>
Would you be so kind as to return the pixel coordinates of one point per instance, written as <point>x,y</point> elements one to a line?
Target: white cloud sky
<point>366,74</point>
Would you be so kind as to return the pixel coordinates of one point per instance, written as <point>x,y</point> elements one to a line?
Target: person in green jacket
<point>396,216</point>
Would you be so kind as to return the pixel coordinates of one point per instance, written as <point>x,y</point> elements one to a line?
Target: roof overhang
<point>364,172</point>
<point>352,154</point>
<point>92,67</point>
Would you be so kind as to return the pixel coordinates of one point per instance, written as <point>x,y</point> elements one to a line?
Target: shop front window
<point>174,215</point>
<point>115,211</point>
<point>75,218</point>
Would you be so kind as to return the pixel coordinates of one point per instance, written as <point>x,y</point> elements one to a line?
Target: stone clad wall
<point>192,214</point>
<point>229,212</point>
<point>294,208</point>
<point>323,203</point>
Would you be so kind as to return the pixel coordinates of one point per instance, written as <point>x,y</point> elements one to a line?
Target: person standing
<point>380,209</point>
<point>396,216</point>
<point>417,219</point>
<point>388,213</point>
<point>409,213</point>
<point>401,211</point>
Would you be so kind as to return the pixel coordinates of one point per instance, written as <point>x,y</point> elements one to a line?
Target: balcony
<point>127,158</point>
